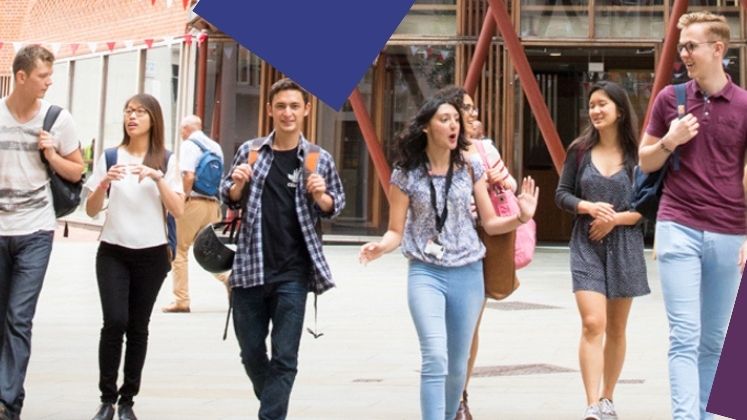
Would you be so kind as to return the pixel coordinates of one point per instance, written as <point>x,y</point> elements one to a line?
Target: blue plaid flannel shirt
<point>248,265</point>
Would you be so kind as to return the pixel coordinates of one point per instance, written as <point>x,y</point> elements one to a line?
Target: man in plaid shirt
<point>279,257</point>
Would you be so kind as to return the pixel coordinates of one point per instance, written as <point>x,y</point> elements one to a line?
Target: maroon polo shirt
<point>706,193</point>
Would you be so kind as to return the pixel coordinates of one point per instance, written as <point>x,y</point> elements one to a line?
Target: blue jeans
<point>283,304</point>
<point>700,278</point>
<point>445,303</point>
<point>23,264</point>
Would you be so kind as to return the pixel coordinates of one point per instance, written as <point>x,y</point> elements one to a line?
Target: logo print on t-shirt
<point>294,177</point>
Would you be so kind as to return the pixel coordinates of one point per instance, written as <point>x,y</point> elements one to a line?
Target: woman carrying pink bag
<point>501,191</point>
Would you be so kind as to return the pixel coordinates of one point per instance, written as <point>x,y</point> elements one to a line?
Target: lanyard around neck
<point>441,218</point>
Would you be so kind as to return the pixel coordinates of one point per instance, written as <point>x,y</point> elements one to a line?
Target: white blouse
<point>134,216</point>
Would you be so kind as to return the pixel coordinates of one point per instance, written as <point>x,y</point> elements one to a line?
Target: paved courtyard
<point>365,366</point>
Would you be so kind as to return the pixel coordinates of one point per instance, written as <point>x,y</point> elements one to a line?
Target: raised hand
<point>528,198</point>
<point>682,130</point>
<point>241,174</point>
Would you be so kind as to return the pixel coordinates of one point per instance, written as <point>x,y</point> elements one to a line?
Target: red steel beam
<point>668,54</point>
<point>481,53</point>
<point>372,141</point>
<point>528,83</point>
<point>202,58</point>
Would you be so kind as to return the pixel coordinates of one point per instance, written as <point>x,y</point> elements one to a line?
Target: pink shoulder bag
<point>505,203</point>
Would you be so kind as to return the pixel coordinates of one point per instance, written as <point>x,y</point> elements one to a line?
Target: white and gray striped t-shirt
<point>25,197</point>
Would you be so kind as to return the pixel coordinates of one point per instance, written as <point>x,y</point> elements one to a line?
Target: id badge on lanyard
<point>433,247</point>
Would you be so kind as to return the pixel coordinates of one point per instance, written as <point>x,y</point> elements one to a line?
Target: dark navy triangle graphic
<point>326,46</point>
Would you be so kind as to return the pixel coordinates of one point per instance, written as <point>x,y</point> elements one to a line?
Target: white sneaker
<point>593,412</point>
<point>608,409</point>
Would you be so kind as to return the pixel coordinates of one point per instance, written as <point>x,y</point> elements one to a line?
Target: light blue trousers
<point>700,279</point>
<point>445,303</point>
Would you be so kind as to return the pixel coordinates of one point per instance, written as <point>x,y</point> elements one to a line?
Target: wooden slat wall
<point>471,15</point>
<point>5,83</point>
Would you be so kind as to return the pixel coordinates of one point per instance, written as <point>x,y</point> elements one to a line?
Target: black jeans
<point>283,304</point>
<point>129,281</point>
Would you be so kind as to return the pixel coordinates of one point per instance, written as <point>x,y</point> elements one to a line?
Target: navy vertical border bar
<point>728,388</point>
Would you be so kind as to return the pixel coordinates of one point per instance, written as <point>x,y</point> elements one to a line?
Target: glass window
<point>215,49</point>
<point>248,68</point>
<point>85,105</point>
<point>162,81</point>
<point>731,65</point>
<point>339,133</point>
<point>242,120</point>
<point>550,19</point>
<point>414,73</point>
<point>429,17</point>
<point>629,18</point>
<point>728,8</point>
<point>57,93</point>
<point>121,84</point>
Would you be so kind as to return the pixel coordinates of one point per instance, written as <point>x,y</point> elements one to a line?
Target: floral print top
<point>459,236</point>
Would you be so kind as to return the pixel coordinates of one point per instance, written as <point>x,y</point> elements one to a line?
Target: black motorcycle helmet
<point>213,250</point>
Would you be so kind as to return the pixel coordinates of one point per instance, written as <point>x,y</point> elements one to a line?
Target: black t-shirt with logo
<point>284,250</point>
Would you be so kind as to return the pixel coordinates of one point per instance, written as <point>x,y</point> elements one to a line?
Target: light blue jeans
<point>445,303</point>
<point>700,279</point>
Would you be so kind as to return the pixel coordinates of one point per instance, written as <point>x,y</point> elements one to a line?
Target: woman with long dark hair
<point>497,173</point>
<point>606,246</point>
<point>133,257</point>
<point>429,213</point>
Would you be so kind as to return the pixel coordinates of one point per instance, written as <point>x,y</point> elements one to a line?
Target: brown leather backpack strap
<point>311,159</point>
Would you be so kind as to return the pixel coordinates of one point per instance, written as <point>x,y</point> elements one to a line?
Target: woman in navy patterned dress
<point>607,263</point>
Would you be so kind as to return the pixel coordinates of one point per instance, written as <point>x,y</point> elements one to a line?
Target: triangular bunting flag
<point>55,47</point>
<point>185,3</point>
<point>111,45</point>
<point>169,3</point>
<point>92,46</point>
<point>201,37</point>
<point>188,39</point>
<point>228,51</point>
<point>74,48</point>
<point>1,45</point>
<point>153,2</point>
<point>149,42</point>
<point>17,46</point>
<point>129,44</point>
<point>167,40</point>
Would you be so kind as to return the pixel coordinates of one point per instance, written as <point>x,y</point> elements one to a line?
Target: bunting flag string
<point>72,48</point>
<point>169,3</point>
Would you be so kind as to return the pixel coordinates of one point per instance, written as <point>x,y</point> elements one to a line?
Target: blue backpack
<point>111,159</point>
<point>209,171</point>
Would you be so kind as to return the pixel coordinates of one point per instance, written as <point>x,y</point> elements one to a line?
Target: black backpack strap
<point>681,95</point>
<point>49,119</point>
<point>110,155</point>
<point>52,113</point>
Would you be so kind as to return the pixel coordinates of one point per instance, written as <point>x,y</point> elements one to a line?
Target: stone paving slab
<point>366,366</point>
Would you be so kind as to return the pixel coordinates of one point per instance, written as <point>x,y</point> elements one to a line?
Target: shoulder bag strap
<point>680,91</point>
<point>49,119</point>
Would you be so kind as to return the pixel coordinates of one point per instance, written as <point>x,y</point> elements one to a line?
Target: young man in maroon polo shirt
<point>700,229</point>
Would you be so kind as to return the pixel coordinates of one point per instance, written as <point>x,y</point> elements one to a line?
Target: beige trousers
<point>198,213</point>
